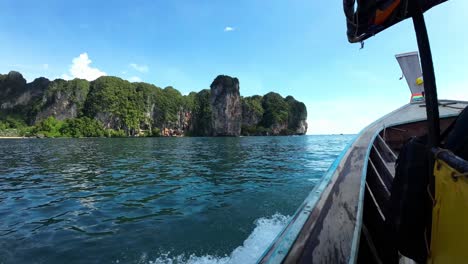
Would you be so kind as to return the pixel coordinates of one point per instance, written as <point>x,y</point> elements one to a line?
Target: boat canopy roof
<point>365,18</point>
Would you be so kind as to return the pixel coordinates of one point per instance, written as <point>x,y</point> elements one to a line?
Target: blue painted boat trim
<point>358,226</point>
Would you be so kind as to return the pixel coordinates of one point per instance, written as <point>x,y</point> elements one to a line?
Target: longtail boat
<point>345,217</point>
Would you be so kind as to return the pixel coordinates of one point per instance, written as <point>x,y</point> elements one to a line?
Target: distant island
<point>112,107</point>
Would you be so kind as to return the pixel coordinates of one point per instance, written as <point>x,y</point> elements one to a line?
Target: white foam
<point>265,232</point>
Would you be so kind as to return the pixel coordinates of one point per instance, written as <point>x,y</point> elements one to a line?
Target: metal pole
<point>432,104</point>
<point>430,89</point>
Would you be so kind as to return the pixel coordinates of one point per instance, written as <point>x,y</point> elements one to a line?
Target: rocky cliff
<point>114,106</point>
<point>62,99</point>
<point>14,91</point>
<point>226,106</point>
<point>41,98</point>
<point>201,124</point>
<point>252,111</point>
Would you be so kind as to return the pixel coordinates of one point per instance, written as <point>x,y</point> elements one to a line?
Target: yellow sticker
<point>419,81</point>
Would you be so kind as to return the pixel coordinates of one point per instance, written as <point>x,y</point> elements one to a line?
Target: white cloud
<point>45,66</point>
<point>227,29</point>
<point>81,68</point>
<point>134,79</point>
<point>140,68</point>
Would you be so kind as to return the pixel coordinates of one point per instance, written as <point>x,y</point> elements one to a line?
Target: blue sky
<point>294,47</point>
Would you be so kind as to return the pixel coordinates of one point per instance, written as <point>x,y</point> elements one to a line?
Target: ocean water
<point>153,200</point>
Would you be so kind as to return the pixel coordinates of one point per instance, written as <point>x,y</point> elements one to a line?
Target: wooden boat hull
<point>327,226</point>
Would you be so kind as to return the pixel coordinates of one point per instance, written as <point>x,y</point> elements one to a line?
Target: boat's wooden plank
<point>375,223</point>
<point>385,170</point>
<point>386,152</point>
<point>370,245</point>
<point>377,185</point>
<point>391,168</point>
<point>405,260</point>
<point>387,156</point>
<point>387,185</point>
<point>370,198</point>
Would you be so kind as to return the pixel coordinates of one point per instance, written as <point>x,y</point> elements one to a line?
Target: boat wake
<point>266,230</point>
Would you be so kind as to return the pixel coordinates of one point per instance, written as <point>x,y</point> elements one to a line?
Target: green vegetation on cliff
<point>126,106</point>
<point>201,112</point>
<point>75,90</point>
<point>83,127</point>
<point>116,102</point>
<point>297,113</point>
<point>77,127</point>
<point>273,115</point>
<point>276,110</point>
<point>168,103</point>
<point>111,106</point>
<point>253,105</point>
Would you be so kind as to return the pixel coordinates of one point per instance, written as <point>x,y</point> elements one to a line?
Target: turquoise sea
<point>153,200</point>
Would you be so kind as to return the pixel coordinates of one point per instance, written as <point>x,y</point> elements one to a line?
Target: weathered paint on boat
<point>327,226</point>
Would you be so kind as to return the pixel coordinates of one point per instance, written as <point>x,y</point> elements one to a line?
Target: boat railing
<point>380,174</point>
<point>382,161</point>
<point>385,149</point>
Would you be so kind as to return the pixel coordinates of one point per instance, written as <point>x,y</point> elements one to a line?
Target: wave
<point>266,230</point>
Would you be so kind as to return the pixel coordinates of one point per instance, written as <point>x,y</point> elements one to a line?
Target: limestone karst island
<point>113,107</point>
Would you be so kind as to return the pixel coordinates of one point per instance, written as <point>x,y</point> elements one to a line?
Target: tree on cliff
<point>119,101</point>
<point>297,112</point>
<point>275,110</point>
<point>201,121</point>
<point>168,102</point>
